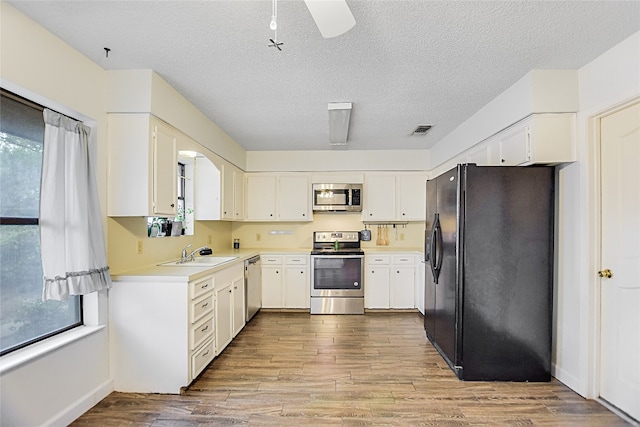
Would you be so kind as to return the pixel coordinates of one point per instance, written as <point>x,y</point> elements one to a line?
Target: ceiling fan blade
<point>333,17</point>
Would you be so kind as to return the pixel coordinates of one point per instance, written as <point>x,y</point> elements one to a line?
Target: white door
<point>620,298</point>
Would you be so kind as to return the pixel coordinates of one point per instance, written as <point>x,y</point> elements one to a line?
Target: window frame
<point>29,221</point>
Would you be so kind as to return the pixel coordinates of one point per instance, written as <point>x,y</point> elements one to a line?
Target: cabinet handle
<point>229,290</point>
<point>205,354</point>
<point>205,304</point>
<point>304,214</point>
<point>204,329</point>
<point>302,272</point>
<point>277,272</point>
<point>172,205</point>
<point>205,286</point>
<point>235,287</point>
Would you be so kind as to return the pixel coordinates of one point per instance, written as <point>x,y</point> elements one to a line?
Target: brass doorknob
<point>606,273</point>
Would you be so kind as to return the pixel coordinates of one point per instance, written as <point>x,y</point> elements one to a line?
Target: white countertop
<point>187,272</point>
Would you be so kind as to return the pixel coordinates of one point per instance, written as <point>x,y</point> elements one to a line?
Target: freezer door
<point>429,285</point>
<point>445,298</point>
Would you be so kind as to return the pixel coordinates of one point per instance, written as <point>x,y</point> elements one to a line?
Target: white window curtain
<point>74,260</point>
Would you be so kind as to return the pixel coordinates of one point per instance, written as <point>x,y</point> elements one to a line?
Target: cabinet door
<point>228,188</point>
<point>379,198</point>
<point>402,287</point>
<point>224,316</point>
<point>207,190</point>
<point>411,196</point>
<point>238,195</point>
<point>272,287</point>
<point>514,146</point>
<point>238,305</point>
<point>376,291</point>
<point>165,169</point>
<point>296,288</point>
<point>261,197</point>
<point>294,198</point>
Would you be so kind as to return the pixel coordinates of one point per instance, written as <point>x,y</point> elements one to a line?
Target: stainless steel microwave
<point>337,197</point>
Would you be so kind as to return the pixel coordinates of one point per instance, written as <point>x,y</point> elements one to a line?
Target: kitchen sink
<point>204,261</point>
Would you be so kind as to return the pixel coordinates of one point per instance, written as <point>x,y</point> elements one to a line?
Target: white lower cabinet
<point>238,305</point>
<point>226,289</point>
<point>163,333</point>
<point>389,281</point>
<point>285,281</point>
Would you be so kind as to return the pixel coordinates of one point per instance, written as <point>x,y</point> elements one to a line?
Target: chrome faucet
<point>185,257</point>
<point>191,256</point>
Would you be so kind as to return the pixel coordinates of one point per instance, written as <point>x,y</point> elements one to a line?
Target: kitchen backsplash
<point>299,234</point>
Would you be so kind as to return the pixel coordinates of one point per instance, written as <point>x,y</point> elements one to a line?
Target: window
<point>182,184</point>
<point>24,317</point>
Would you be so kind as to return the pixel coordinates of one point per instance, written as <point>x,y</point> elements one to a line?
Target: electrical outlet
<point>209,239</point>
<point>258,237</point>
<point>139,247</point>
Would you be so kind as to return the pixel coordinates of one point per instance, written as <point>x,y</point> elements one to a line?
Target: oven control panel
<point>336,236</point>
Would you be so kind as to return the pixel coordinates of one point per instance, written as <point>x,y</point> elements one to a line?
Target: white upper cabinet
<point>411,196</point>
<point>394,196</point>
<point>379,197</point>
<point>261,197</point>
<point>232,193</point>
<point>537,139</point>
<point>274,197</point>
<point>294,198</point>
<point>207,190</point>
<point>143,159</point>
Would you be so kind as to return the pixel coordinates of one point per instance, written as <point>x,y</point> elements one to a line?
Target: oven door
<point>337,275</point>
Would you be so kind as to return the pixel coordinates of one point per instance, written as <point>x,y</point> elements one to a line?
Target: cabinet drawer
<point>404,260</point>
<point>296,260</point>
<point>271,260</point>
<point>201,287</point>
<point>378,259</point>
<point>201,358</point>
<point>201,307</point>
<point>201,332</point>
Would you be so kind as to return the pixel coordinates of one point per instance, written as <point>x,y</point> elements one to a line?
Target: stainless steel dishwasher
<point>252,287</point>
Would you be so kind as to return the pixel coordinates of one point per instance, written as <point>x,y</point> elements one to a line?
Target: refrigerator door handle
<point>440,249</point>
<point>433,247</point>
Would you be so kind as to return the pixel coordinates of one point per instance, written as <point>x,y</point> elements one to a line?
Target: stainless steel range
<point>337,273</point>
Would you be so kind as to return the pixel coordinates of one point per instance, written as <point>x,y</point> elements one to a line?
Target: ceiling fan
<point>332,17</point>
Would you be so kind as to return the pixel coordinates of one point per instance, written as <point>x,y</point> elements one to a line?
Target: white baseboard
<point>567,379</point>
<point>75,410</point>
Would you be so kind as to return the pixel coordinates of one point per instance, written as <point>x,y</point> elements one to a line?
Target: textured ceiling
<point>405,63</point>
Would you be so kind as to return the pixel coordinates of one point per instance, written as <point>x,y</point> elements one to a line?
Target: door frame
<point>594,145</point>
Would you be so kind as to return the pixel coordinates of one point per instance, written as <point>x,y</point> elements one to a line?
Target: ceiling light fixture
<point>339,115</point>
<point>274,25</point>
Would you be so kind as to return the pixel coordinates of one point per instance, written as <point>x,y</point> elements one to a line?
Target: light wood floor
<point>295,369</point>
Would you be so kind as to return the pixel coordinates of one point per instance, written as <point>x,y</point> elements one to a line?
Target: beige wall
<point>57,386</point>
<point>124,234</point>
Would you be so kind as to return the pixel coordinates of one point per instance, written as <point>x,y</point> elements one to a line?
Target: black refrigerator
<point>489,271</point>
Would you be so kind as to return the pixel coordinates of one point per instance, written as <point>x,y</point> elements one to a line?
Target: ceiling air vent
<point>421,130</point>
